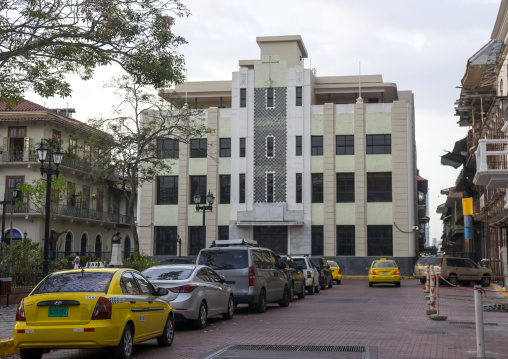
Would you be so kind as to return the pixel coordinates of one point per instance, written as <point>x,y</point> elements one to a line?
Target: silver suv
<point>254,274</point>
<point>458,270</point>
<point>310,273</point>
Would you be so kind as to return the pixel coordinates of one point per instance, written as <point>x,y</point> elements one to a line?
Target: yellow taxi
<point>336,271</point>
<point>384,271</point>
<point>92,308</point>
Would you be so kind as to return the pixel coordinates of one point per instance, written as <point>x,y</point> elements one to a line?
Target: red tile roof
<point>24,106</point>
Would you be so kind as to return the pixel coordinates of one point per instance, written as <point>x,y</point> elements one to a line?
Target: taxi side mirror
<point>162,291</point>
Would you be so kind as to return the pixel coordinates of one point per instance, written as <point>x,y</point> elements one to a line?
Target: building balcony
<point>492,164</point>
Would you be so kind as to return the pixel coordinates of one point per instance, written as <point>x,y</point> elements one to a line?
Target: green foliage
<point>27,257</point>
<point>43,41</point>
<point>139,262</point>
<point>431,250</point>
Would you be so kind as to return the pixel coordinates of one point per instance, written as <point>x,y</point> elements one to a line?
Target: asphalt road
<point>384,321</point>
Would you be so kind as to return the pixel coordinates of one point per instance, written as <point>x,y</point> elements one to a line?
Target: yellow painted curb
<point>366,277</point>
<point>499,289</point>
<point>7,348</point>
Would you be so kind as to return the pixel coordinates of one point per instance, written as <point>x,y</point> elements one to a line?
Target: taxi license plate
<point>385,273</point>
<point>58,311</point>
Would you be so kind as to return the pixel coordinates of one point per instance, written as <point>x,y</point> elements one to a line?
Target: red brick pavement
<point>392,319</point>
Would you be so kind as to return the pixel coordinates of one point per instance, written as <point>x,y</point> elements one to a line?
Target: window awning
<point>453,159</point>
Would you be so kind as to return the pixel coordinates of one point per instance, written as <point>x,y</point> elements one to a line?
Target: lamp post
<point>179,241</point>
<point>24,236</point>
<point>13,194</point>
<point>197,199</point>
<point>57,156</point>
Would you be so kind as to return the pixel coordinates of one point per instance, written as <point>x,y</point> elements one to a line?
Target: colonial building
<point>303,164</point>
<point>88,215</point>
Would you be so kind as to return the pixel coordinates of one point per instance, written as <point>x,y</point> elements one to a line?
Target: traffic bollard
<point>427,282</point>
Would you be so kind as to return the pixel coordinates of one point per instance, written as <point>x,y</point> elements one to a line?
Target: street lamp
<point>197,199</point>
<point>57,156</point>
<point>13,194</point>
<point>24,236</point>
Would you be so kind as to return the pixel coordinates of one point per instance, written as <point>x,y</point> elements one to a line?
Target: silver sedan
<point>196,292</point>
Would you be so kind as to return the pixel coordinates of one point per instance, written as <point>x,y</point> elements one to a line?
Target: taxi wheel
<point>338,282</point>
<point>124,349</point>
<point>331,284</point>
<point>201,322</point>
<point>397,284</point>
<point>422,281</point>
<point>30,353</point>
<point>311,290</point>
<point>231,309</point>
<point>166,339</point>
<point>370,284</point>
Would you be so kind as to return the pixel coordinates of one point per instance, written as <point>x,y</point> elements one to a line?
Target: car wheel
<point>284,302</point>
<point>261,307</point>
<point>370,284</point>
<point>397,284</point>
<point>317,289</point>
<point>301,295</point>
<point>292,292</point>
<point>485,282</point>
<point>231,309</point>
<point>453,279</point>
<point>166,339</point>
<point>422,281</point>
<point>465,283</point>
<point>338,282</point>
<point>200,323</point>
<point>124,349</point>
<point>311,290</point>
<point>30,353</point>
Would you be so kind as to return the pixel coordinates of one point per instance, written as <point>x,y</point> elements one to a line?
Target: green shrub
<point>139,262</point>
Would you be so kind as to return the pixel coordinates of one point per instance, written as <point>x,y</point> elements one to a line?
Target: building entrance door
<point>272,237</point>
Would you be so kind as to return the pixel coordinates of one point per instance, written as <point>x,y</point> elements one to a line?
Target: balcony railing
<point>492,164</point>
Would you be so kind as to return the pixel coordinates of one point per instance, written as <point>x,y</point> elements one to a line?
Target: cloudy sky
<point>421,46</point>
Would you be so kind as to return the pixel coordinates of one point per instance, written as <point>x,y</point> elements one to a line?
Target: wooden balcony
<point>492,164</point>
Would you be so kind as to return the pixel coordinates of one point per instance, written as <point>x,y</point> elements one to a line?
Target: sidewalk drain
<point>300,348</point>
<point>471,323</point>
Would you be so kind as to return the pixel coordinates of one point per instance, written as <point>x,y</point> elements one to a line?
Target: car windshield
<point>332,264</point>
<point>168,273</point>
<point>75,282</point>
<point>224,258</point>
<point>432,261</point>
<point>300,262</point>
<point>178,261</point>
<point>421,260</point>
<point>384,264</point>
<point>316,261</point>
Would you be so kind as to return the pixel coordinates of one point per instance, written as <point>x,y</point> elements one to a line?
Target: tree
<point>135,155</point>
<point>41,41</point>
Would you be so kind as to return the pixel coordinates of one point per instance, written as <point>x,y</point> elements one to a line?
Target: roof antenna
<point>359,99</point>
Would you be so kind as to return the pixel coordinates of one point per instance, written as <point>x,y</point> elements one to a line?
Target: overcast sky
<point>421,46</point>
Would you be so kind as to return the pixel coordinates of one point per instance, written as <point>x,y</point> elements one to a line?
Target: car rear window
<point>384,264</point>
<point>300,262</point>
<point>224,259</point>
<point>316,261</point>
<point>332,264</point>
<point>167,273</point>
<point>433,261</point>
<point>75,282</point>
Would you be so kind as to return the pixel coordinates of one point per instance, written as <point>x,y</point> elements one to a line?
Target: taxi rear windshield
<point>225,259</point>
<point>384,264</point>
<point>332,264</point>
<point>75,282</point>
<point>168,273</point>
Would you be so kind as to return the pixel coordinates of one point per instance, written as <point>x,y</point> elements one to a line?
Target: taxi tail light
<point>20,314</point>
<point>396,272</point>
<point>372,272</point>
<point>184,288</point>
<point>252,277</point>
<point>102,309</point>
<point>340,271</point>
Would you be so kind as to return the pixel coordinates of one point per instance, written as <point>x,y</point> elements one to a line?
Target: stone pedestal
<point>116,255</point>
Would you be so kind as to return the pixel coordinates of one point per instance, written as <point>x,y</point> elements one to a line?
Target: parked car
<point>459,270</point>
<point>196,292</point>
<point>92,308</point>
<point>310,274</point>
<point>325,273</point>
<point>294,276</point>
<point>419,271</point>
<point>253,273</point>
<point>384,271</point>
<point>336,271</point>
<point>178,260</point>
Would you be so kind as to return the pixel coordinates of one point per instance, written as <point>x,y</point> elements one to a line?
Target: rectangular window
<point>57,136</point>
<point>243,97</point>
<point>345,240</point>
<point>242,188</point>
<point>373,100</point>
<point>166,240</point>
<point>223,233</point>
<point>71,194</point>
<point>269,97</point>
<point>225,147</point>
<point>86,202</point>
<point>317,188</point>
<point>168,148</point>
<point>197,240</point>
<point>17,132</point>
<point>269,146</point>
<point>316,145</point>
<point>379,144</point>
<point>73,146</point>
<point>317,240</point>
<point>299,145</point>
<point>380,240</point>
<point>86,149</point>
<point>299,186</point>
<point>167,190</point>
<point>12,182</point>
<point>269,187</point>
<point>198,148</point>
<point>298,96</point>
<point>379,187</point>
<point>198,185</point>
<point>242,147</point>
<point>345,187</point>
<point>225,189</point>
<point>345,145</point>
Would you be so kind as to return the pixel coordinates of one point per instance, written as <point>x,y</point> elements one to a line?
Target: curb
<point>367,277</point>
<point>499,289</point>
<point>7,347</point>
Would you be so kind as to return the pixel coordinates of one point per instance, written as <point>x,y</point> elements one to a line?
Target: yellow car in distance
<point>384,271</point>
<point>92,308</point>
<point>336,271</point>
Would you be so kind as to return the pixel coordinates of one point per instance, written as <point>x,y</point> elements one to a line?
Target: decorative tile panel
<point>270,122</point>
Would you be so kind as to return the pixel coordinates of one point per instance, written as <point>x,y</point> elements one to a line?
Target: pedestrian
<point>75,262</point>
